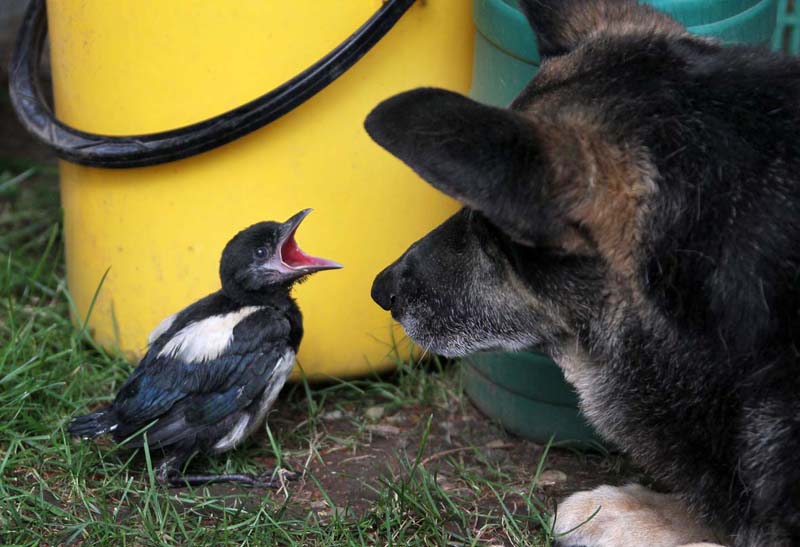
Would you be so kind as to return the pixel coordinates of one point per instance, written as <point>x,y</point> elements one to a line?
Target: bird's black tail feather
<point>92,425</point>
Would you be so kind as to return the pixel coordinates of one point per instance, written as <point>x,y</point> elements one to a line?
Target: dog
<point>635,215</point>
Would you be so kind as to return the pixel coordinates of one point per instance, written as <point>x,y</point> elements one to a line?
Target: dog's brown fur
<point>601,186</point>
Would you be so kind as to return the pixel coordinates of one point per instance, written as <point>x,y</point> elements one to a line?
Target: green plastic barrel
<point>526,392</point>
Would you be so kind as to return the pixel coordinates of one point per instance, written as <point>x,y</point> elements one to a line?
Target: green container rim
<point>518,40</point>
<point>702,12</point>
<point>693,12</point>
<point>726,29</point>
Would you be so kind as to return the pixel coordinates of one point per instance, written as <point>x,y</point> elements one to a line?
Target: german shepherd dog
<point>635,214</point>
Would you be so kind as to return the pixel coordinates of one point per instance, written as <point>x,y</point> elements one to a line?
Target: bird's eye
<point>260,252</point>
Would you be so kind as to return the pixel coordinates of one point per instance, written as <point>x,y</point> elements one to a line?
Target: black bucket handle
<point>151,149</point>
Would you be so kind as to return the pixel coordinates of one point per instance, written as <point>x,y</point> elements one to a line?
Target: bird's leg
<point>265,480</point>
<point>174,478</point>
<point>168,471</point>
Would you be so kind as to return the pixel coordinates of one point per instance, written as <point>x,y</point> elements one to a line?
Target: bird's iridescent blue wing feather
<point>182,394</point>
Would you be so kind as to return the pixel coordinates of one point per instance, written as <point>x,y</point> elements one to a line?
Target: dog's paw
<point>628,516</point>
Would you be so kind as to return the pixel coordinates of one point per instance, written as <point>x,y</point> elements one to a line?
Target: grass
<point>54,491</point>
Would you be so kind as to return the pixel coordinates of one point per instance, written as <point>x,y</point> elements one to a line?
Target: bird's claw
<point>271,479</point>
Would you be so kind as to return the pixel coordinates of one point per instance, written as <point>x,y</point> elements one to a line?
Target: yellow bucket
<point>132,67</point>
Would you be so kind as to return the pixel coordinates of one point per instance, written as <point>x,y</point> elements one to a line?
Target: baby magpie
<point>212,370</point>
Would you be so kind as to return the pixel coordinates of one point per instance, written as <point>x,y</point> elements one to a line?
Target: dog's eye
<point>260,253</point>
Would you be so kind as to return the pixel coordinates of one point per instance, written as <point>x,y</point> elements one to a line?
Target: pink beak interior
<point>293,257</point>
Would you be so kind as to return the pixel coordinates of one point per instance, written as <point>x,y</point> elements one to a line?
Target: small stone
<point>384,430</point>
<point>333,415</point>
<point>344,511</point>
<point>497,443</point>
<point>374,413</point>
<point>551,477</point>
<point>495,456</point>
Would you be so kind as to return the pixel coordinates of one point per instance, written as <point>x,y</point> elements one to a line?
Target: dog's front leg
<point>628,516</point>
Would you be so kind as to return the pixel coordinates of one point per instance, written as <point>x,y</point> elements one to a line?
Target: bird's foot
<point>267,479</point>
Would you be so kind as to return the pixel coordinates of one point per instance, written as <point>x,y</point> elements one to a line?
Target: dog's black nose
<point>383,289</point>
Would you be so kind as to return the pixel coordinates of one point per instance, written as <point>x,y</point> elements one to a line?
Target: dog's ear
<point>554,182</point>
<point>561,25</point>
<point>487,158</point>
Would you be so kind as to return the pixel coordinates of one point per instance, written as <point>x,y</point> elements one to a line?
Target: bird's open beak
<point>292,259</point>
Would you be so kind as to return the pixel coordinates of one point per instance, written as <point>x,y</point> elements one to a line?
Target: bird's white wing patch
<point>205,340</point>
<point>278,375</point>
<point>246,426</point>
<point>161,328</point>
<point>234,436</point>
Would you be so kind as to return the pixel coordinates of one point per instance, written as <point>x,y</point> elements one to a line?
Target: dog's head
<point>501,273</point>
<point>556,189</point>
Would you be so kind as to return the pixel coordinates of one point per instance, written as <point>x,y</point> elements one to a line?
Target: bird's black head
<point>265,257</point>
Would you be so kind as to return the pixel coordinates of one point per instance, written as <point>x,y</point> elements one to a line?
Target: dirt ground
<point>458,440</point>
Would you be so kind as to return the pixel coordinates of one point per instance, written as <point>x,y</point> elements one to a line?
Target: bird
<point>212,371</point>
